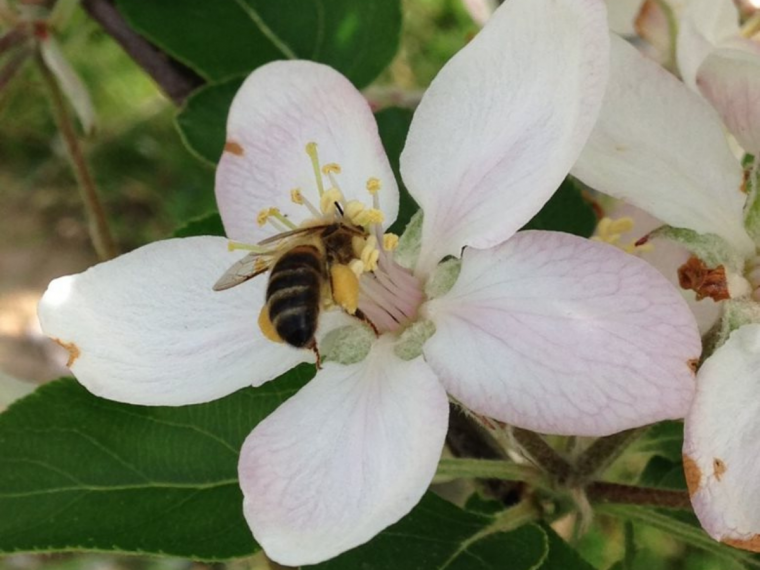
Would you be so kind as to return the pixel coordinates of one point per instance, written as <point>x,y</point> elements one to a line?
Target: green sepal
<point>443,278</point>
<point>410,342</point>
<point>347,345</point>
<point>409,243</point>
<point>713,250</point>
<point>752,205</point>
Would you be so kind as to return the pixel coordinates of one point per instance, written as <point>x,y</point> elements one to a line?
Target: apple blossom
<point>542,330</point>
<point>715,57</point>
<point>662,148</point>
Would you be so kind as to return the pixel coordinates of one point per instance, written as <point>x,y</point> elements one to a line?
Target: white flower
<point>662,148</point>
<point>714,55</point>
<point>542,330</point>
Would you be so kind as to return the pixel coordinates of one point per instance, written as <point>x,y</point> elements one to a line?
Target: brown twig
<point>100,233</point>
<point>175,79</point>
<point>644,496</point>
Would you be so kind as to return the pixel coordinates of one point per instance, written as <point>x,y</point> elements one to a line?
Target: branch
<point>176,80</point>
<point>644,496</point>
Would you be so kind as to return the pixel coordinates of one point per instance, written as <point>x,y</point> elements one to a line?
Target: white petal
<point>147,328</point>
<point>621,15</point>
<point>476,155</point>
<point>730,80</point>
<point>347,456</point>
<point>704,25</point>
<point>662,148</point>
<point>280,108</point>
<point>721,441</point>
<point>563,335</point>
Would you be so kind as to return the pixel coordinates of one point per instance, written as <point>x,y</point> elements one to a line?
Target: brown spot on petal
<point>692,473</point>
<point>233,148</point>
<point>706,282</point>
<point>752,543</point>
<point>73,349</point>
<point>693,364</point>
<point>719,468</point>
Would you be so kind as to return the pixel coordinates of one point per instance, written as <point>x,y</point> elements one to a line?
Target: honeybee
<point>303,268</point>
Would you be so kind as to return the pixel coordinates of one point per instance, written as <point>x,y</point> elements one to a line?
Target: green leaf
<point>393,124</point>
<point>223,38</point>
<point>202,121</point>
<point>80,472</point>
<point>437,535</point>
<point>567,211</point>
<point>561,555</point>
<point>663,473</point>
<point>664,439</point>
<point>208,225</point>
<point>686,531</point>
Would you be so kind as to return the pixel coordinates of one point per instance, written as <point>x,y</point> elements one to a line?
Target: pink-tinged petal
<point>662,148</point>
<point>563,335</point>
<point>703,25</point>
<point>653,25</point>
<point>476,155</point>
<point>730,80</point>
<point>347,456</point>
<point>621,15</point>
<point>280,108</point>
<point>721,441</point>
<point>147,328</point>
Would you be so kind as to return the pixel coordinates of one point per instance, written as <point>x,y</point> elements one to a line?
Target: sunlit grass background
<point>151,185</point>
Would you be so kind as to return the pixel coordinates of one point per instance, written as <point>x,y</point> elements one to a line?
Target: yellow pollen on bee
<point>328,199</point>
<point>331,168</point>
<point>390,242</point>
<point>357,266</point>
<point>345,287</point>
<point>373,185</point>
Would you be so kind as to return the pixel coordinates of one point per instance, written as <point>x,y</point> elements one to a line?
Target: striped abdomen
<point>293,294</point>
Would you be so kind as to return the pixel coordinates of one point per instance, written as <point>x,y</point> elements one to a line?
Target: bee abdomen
<point>293,295</point>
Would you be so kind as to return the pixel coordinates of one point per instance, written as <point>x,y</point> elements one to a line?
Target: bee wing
<point>291,233</point>
<point>241,271</point>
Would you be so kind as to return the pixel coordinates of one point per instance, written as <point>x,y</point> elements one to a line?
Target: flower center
<point>383,292</point>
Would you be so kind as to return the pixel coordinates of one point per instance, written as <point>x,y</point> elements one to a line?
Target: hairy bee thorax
<point>363,278</point>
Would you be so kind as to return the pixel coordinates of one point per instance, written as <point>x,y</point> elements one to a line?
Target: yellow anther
<point>390,242</point>
<point>369,217</point>
<point>311,150</point>
<point>369,258</point>
<point>331,168</point>
<point>262,217</point>
<point>353,209</point>
<point>296,197</point>
<point>328,199</point>
<point>621,225</point>
<point>373,185</point>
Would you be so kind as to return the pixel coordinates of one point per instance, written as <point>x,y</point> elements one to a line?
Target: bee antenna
<point>337,206</point>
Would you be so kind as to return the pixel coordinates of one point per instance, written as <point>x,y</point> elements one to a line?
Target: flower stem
<point>542,454</point>
<point>602,453</point>
<point>100,233</point>
<point>601,492</point>
<point>451,469</point>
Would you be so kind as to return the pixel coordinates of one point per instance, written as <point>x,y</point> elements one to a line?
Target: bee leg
<point>313,347</point>
<point>360,315</point>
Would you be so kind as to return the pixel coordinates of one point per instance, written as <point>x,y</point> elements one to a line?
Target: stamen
<point>611,231</point>
<point>298,198</point>
<point>328,199</point>
<point>390,242</point>
<point>373,185</point>
<point>369,217</point>
<point>331,168</point>
<point>277,215</point>
<point>262,217</point>
<point>311,150</point>
<point>353,209</point>
<point>236,246</point>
